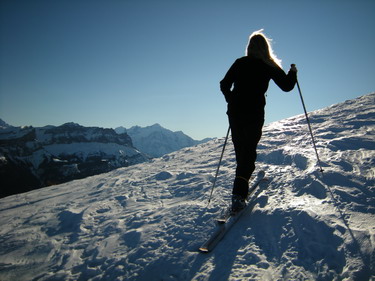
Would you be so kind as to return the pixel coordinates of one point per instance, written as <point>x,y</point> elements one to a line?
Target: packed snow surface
<point>146,222</point>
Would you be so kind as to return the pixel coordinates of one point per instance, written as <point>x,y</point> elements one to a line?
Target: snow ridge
<point>146,222</point>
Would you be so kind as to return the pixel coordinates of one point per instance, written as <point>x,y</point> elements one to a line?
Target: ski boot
<point>238,203</point>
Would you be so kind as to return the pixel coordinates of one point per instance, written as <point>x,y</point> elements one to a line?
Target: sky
<point>138,62</point>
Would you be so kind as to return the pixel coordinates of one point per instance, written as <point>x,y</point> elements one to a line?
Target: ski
<point>224,225</point>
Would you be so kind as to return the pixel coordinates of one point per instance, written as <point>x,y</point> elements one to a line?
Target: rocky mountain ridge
<point>35,157</point>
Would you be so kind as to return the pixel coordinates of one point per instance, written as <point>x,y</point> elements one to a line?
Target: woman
<point>244,87</point>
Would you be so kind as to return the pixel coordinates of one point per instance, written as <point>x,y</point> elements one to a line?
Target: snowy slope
<point>146,222</point>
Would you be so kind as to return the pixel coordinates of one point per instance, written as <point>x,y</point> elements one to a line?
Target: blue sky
<point>123,63</point>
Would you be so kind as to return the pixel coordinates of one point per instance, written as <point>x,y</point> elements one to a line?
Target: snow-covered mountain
<point>157,141</point>
<point>146,221</point>
<point>36,157</point>
<point>3,124</point>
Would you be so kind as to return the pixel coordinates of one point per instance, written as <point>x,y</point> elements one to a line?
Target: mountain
<point>157,141</point>
<point>146,221</point>
<point>36,157</point>
<point>3,124</point>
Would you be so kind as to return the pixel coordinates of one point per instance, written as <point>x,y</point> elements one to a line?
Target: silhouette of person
<point>244,87</point>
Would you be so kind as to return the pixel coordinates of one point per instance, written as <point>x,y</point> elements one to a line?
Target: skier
<point>249,76</point>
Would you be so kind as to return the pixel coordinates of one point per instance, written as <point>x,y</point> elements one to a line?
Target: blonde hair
<point>259,46</point>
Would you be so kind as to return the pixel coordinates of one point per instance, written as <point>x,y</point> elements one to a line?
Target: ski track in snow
<point>146,222</point>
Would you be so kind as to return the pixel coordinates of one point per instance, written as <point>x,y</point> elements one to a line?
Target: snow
<point>147,221</point>
<point>93,148</point>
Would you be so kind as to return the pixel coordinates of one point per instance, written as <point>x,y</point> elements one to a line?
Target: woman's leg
<point>246,134</point>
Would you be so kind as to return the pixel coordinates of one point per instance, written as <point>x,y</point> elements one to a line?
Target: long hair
<point>259,46</point>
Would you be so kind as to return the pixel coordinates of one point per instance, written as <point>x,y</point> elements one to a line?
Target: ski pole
<point>218,166</point>
<point>309,125</point>
<point>334,199</point>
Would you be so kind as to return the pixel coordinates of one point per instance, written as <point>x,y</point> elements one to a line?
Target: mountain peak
<point>157,141</point>
<point>4,125</point>
<point>156,125</point>
<point>71,124</point>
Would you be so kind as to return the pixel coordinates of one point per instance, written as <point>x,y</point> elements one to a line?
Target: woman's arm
<point>285,82</point>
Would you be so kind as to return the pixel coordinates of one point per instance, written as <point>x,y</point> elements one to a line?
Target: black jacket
<point>250,78</point>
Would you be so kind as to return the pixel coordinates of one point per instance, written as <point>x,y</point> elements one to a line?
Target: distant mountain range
<point>156,141</point>
<point>31,157</point>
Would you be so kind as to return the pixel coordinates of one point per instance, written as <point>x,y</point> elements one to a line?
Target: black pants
<point>246,133</point>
